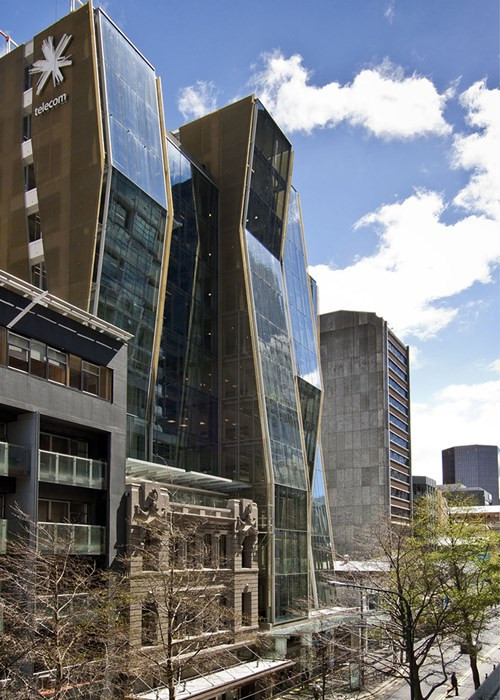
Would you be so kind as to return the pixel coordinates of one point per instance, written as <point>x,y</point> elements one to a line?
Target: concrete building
<point>422,486</point>
<point>63,380</point>
<point>458,493</point>
<point>365,425</point>
<point>472,465</point>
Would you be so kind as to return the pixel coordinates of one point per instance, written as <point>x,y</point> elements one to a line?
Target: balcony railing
<point>14,460</point>
<point>3,536</point>
<point>80,539</point>
<point>73,471</point>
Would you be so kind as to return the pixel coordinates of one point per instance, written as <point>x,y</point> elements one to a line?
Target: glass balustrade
<point>73,471</point>
<point>3,536</point>
<point>81,539</point>
<point>14,460</point>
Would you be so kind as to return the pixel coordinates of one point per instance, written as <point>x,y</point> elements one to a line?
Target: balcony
<point>73,471</point>
<point>81,539</point>
<point>27,152</point>
<point>14,460</point>
<point>31,201</point>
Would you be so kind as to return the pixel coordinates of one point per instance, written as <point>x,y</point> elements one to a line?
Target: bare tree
<point>60,617</point>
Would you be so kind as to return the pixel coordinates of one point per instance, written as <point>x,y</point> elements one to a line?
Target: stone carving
<point>246,524</point>
<point>149,508</point>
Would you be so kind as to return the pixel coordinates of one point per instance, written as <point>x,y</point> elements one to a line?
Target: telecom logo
<point>46,106</point>
<point>52,63</point>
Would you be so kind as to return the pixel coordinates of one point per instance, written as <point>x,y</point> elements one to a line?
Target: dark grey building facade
<point>472,465</point>
<point>365,425</point>
<point>63,383</point>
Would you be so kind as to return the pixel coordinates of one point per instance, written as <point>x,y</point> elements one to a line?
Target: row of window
<point>399,476</point>
<point>399,458</point>
<point>208,552</point>
<point>397,352</point>
<point>397,404</point>
<point>398,493</point>
<point>398,388</point>
<point>400,512</point>
<point>395,368</point>
<point>400,441</point>
<point>397,421</point>
<point>40,360</point>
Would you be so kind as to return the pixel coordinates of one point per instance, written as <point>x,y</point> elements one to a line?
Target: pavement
<point>488,657</point>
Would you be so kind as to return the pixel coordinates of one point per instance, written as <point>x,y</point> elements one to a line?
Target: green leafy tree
<point>467,562</point>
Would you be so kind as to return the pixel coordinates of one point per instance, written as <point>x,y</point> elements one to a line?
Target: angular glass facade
<point>186,404</point>
<point>132,111</point>
<point>130,287</point>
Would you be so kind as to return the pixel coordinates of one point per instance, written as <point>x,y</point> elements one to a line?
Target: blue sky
<point>393,109</point>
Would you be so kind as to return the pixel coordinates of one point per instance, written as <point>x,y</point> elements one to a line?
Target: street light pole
<point>406,618</point>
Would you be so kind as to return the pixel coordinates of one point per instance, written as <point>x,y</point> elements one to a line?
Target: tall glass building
<point>193,243</point>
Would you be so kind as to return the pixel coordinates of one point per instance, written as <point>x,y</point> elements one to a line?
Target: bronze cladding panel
<point>220,141</point>
<point>68,154</point>
<point>13,232</point>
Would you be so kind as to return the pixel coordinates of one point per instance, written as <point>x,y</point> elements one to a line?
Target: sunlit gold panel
<point>68,157</point>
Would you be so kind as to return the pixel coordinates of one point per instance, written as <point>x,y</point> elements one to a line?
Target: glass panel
<point>90,378</point>
<point>38,359</point>
<point>130,284</point>
<point>75,372</point>
<point>133,113</point>
<point>266,206</point>
<point>276,364</point>
<point>18,352</point>
<point>57,366</point>
<point>186,415</point>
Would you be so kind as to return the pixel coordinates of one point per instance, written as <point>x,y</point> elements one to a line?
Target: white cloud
<point>390,10</point>
<point>421,262</point>
<point>197,100</point>
<point>480,151</point>
<point>459,414</point>
<point>382,99</point>
<point>495,366</point>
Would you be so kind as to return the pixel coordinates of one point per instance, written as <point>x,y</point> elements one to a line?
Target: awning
<point>212,684</point>
<point>173,475</point>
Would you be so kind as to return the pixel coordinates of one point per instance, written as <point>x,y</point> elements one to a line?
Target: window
<point>399,441</point>
<point>246,608</point>
<point>29,177</point>
<point>397,404</point>
<point>398,388</point>
<point>52,511</point>
<point>90,378</point>
<point>45,362</point>
<point>397,352</point>
<point>207,551</point>
<point>151,552</point>
<point>39,276</point>
<point>34,228</point>
<point>246,553</point>
<point>149,633</point>
<point>222,551</point>
<point>38,359</point>
<point>19,352</point>
<point>58,362</point>
<point>27,127</point>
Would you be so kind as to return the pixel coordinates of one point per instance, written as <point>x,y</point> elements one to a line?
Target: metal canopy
<point>164,473</point>
<point>207,686</point>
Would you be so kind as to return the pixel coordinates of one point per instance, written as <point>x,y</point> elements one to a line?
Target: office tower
<point>472,465</point>
<point>365,425</point>
<point>193,245</point>
<point>422,486</point>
